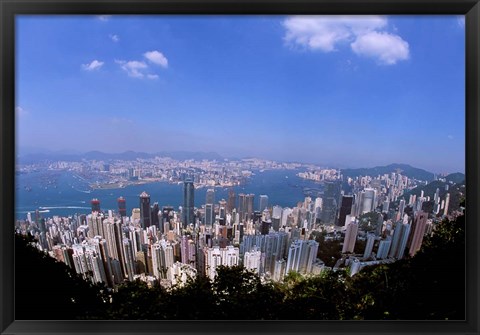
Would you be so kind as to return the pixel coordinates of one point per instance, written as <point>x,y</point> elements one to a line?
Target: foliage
<point>47,289</point>
<point>368,221</point>
<point>329,251</point>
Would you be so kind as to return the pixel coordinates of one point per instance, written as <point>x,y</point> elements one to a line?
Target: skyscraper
<point>369,245</point>
<point>231,201</point>
<point>222,209</point>
<point>251,260</point>
<point>350,237</point>
<point>368,200</point>
<point>95,205</point>
<point>188,202</point>
<point>399,241</point>
<point>250,199</point>
<point>418,230</point>
<point>263,202</point>
<point>209,215</point>
<point>145,210</point>
<point>276,217</point>
<point>401,207</point>
<point>129,258</point>
<point>122,206</point>
<point>242,206</point>
<point>210,196</point>
<point>383,248</point>
<point>301,256</point>
<point>447,202</point>
<point>154,215</point>
<point>345,209</point>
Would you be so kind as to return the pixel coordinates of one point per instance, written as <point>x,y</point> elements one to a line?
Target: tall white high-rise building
<point>383,248</point>
<point>251,260</point>
<point>349,218</point>
<point>216,256</point>
<point>263,202</point>
<point>369,245</point>
<point>350,237</point>
<point>401,207</point>
<point>285,215</point>
<point>279,271</point>
<point>447,202</point>
<point>301,256</point>
<point>399,241</point>
<point>368,200</point>
<point>129,258</point>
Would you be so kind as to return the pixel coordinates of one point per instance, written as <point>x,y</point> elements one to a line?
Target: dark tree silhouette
<point>49,290</point>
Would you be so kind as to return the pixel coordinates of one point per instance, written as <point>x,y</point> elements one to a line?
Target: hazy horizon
<point>34,151</point>
<point>350,91</point>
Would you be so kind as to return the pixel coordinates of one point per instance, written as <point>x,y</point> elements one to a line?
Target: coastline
<point>124,184</point>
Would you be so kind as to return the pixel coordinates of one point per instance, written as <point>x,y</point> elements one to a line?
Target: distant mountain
<point>456,178</point>
<point>456,191</point>
<point>47,156</point>
<point>34,157</point>
<point>127,155</point>
<point>184,155</point>
<point>404,169</point>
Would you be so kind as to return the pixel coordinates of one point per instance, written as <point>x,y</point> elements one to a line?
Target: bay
<point>64,193</point>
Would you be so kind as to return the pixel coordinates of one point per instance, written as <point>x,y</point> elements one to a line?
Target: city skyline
<point>347,91</point>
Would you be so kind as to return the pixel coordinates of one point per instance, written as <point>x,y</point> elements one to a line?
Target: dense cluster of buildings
<point>169,245</point>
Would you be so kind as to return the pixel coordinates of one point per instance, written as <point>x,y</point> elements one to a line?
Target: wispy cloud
<point>156,57</point>
<point>140,69</point>
<point>365,35</point>
<point>20,112</point>
<point>461,21</point>
<point>114,38</point>
<point>133,68</point>
<point>104,17</point>
<point>450,137</point>
<point>94,65</point>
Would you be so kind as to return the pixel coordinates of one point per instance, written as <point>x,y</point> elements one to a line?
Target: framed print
<point>211,167</point>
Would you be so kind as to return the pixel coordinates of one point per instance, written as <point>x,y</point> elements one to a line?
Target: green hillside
<point>404,169</point>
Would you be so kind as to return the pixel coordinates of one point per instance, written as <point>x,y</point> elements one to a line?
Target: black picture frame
<point>10,8</point>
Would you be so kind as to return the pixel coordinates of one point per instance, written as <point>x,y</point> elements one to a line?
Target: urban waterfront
<point>71,195</point>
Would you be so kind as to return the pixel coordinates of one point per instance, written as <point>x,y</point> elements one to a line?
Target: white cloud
<point>387,48</point>
<point>20,112</point>
<point>95,64</point>
<point>139,69</point>
<point>114,38</point>
<point>104,17</point>
<point>461,21</point>
<point>328,33</point>
<point>156,57</point>
<point>133,68</point>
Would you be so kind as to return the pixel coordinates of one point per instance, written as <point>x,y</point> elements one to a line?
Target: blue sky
<point>338,91</point>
